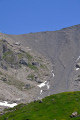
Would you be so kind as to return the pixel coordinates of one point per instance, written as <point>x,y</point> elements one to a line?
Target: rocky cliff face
<point>39,64</point>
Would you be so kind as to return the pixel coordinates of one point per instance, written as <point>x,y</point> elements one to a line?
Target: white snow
<point>5,103</point>
<point>77,58</point>
<point>42,84</point>
<point>47,84</point>
<point>52,73</point>
<point>77,69</point>
<point>41,91</point>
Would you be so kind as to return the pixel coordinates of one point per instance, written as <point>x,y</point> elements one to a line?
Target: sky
<point>26,16</point>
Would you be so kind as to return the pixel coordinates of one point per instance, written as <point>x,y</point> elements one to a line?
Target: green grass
<point>29,56</point>
<point>43,66</point>
<point>20,55</point>
<point>9,57</point>
<point>31,76</point>
<point>12,81</point>
<point>1,73</point>
<point>55,107</point>
<point>32,67</point>
<point>25,54</point>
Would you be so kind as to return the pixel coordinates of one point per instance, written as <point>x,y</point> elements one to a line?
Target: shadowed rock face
<point>62,49</point>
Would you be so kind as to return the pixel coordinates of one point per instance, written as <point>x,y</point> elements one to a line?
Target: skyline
<point>25,16</point>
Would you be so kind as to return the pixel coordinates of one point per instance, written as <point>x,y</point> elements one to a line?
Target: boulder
<point>78,79</point>
<point>3,79</point>
<point>38,81</point>
<point>74,114</point>
<point>21,50</point>
<point>36,63</point>
<point>24,61</point>
<point>4,66</point>
<point>35,101</point>
<point>36,77</point>
<point>4,48</point>
<point>27,86</point>
<point>78,65</point>
<point>40,101</point>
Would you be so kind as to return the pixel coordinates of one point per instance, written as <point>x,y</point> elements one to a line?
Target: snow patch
<point>52,73</point>
<point>41,91</point>
<point>77,69</point>
<point>77,58</point>
<point>47,84</point>
<point>5,103</point>
<point>42,84</point>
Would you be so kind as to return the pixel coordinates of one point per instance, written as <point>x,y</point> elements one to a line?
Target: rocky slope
<point>21,71</point>
<point>51,58</point>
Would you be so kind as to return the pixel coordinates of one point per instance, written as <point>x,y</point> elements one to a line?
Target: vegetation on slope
<point>55,107</point>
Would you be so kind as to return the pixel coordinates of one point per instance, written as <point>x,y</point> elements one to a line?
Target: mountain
<point>36,65</point>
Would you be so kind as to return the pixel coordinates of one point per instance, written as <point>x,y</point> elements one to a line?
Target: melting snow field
<point>5,103</point>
